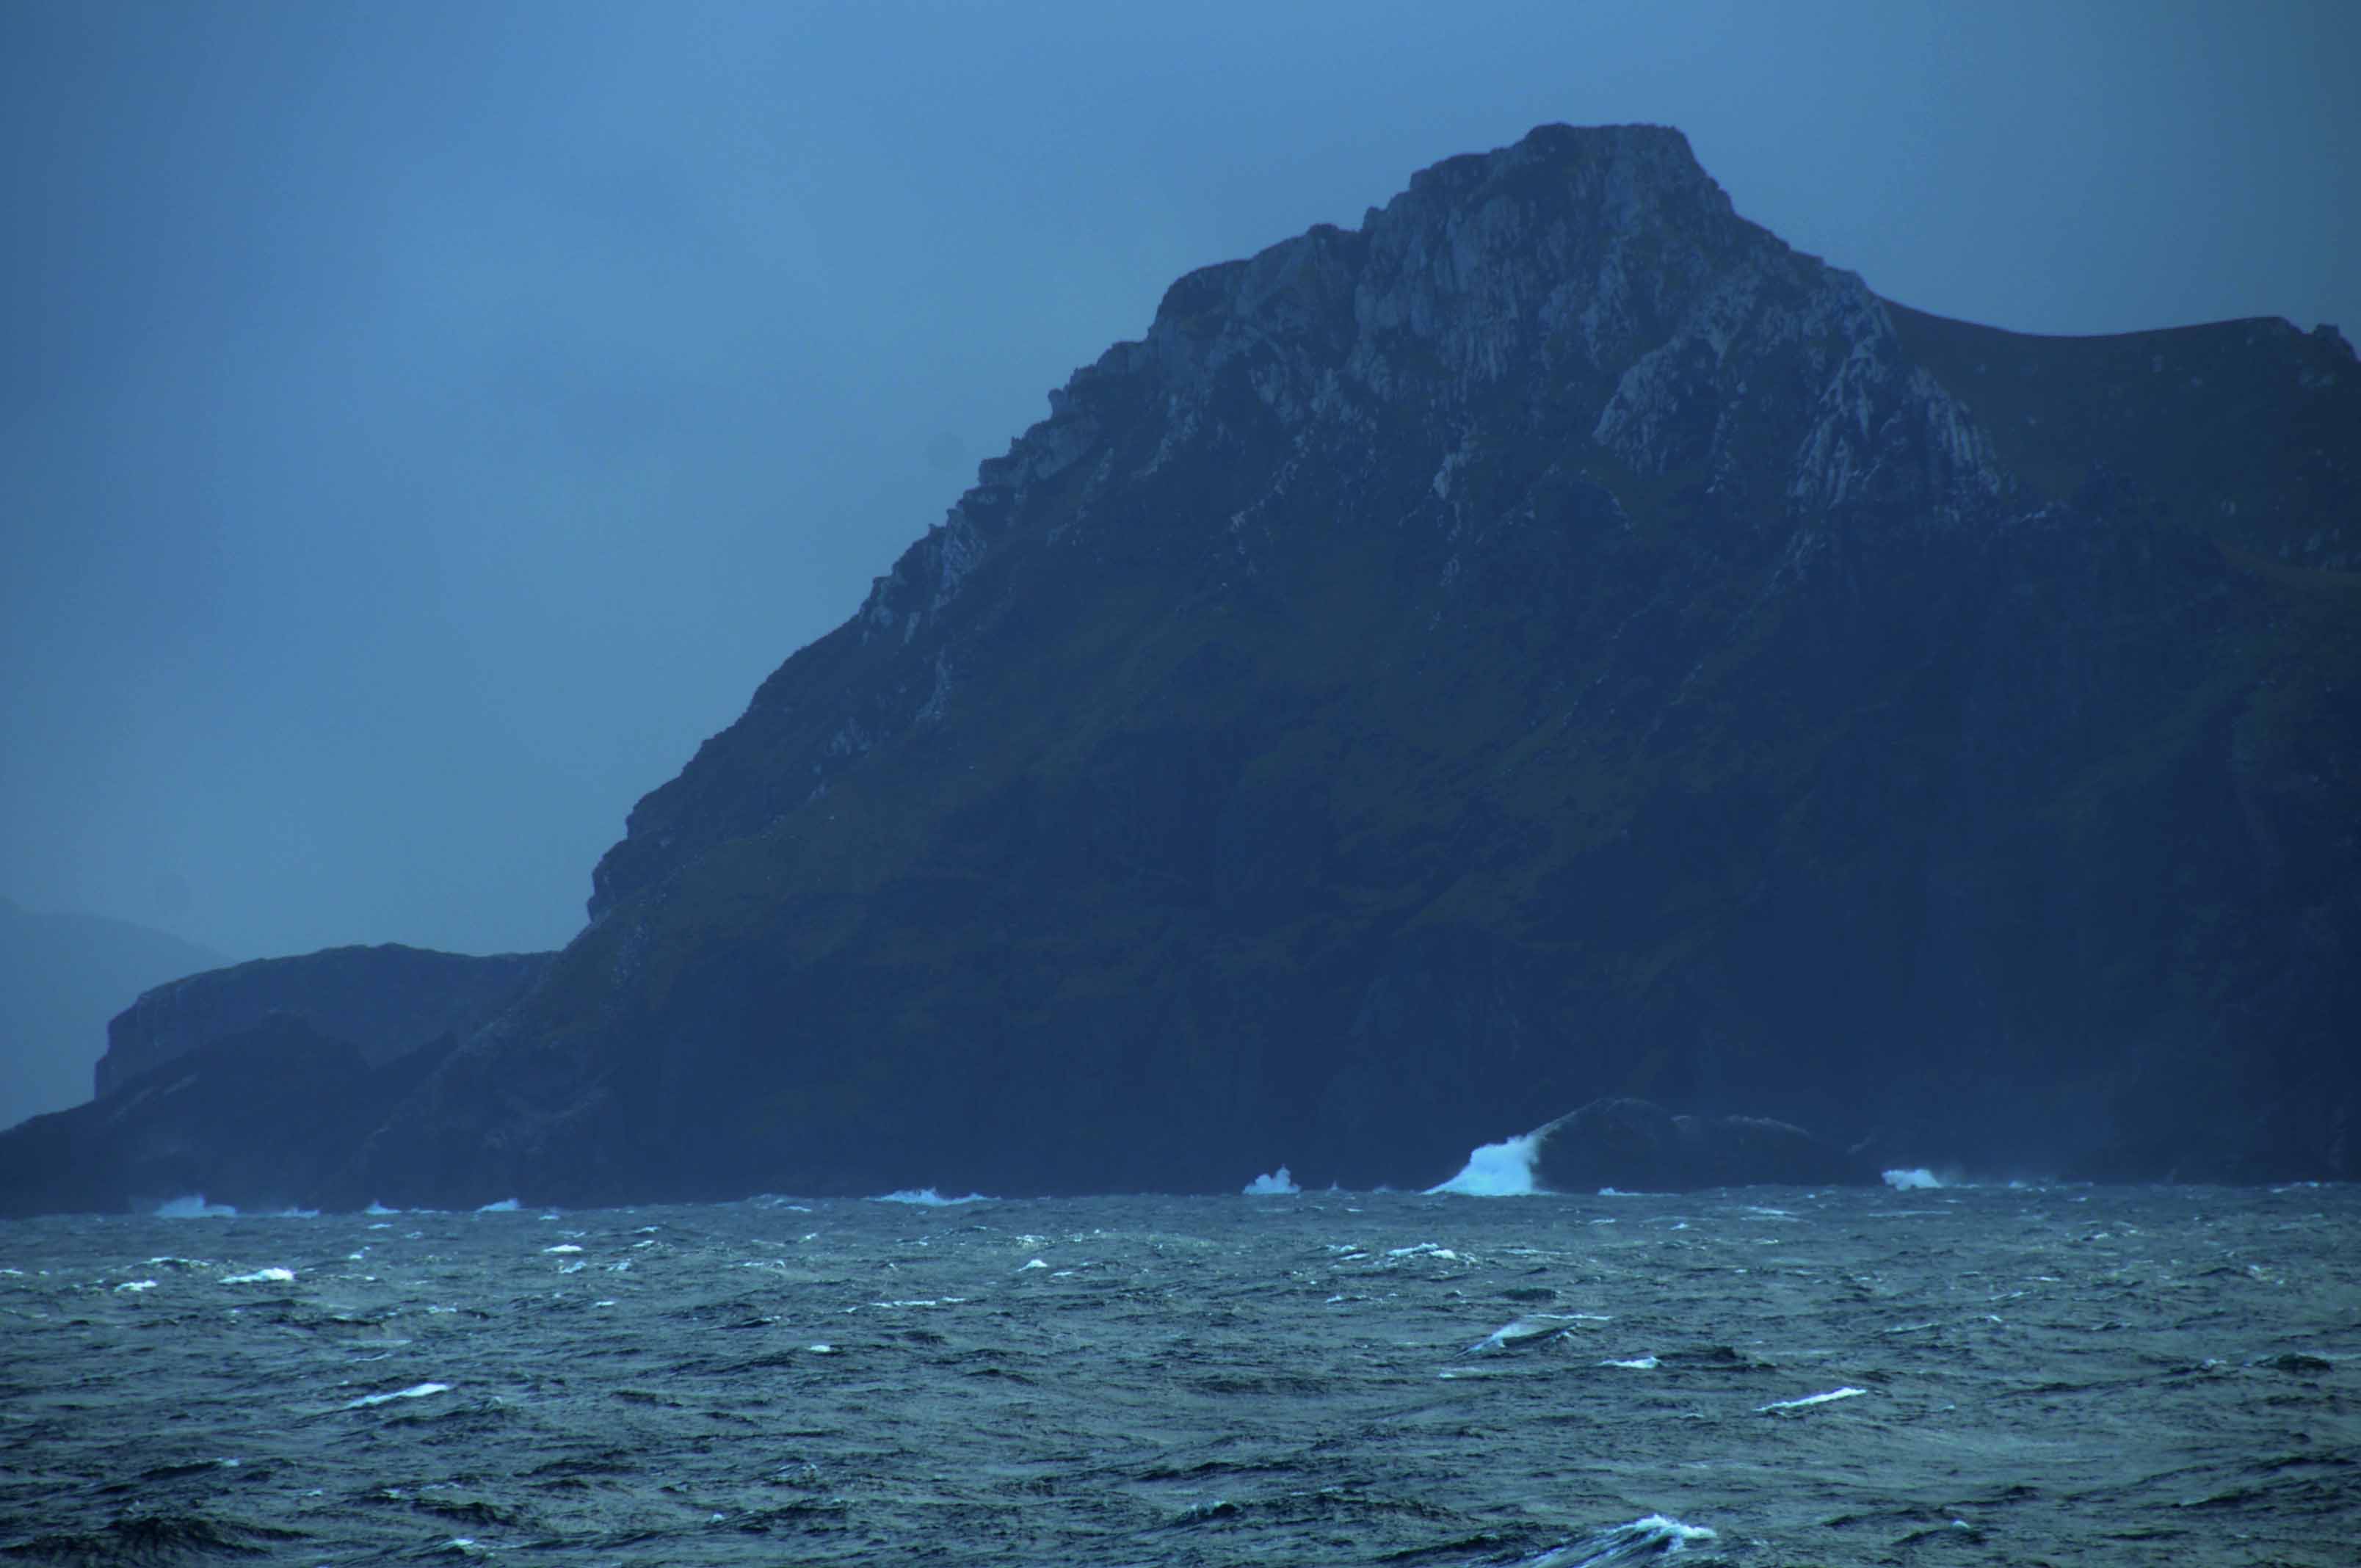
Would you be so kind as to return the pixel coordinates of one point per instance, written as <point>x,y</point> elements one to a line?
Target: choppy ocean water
<point>1966,1376</point>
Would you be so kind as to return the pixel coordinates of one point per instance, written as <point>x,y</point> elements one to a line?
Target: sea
<point>1917,1374</point>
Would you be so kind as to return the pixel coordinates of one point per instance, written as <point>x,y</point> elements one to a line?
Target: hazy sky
<point>422,424</point>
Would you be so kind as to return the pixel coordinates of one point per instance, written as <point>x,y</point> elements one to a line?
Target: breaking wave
<point>194,1207</point>
<point>1278,1184</point>
<point>1504,1169</point>
<point>1640,1541</point>
<point>927,1198</point>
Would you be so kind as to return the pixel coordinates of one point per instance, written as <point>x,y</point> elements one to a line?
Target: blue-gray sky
<point>420,424</point>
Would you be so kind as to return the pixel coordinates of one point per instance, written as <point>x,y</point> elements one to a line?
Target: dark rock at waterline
<point>257,1119</point>
<point>1638,1145</point>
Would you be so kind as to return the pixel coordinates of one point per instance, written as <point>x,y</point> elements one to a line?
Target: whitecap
<point>194,1207</point>
<point>505,1206</point>
<point>1504,1169</point>
<point>561,1247</point>
<point>262,1277</point>
<point>377,1208</point>
<point>933,1301</point>
<point>1539,1326</point>
<point>137,1285</point>
<point>1642,1540</point>
<point>1278,1184</point>
<point>416,1391</point>
<point>1637,1364</point>
<point>1918,1180</point>
<point>927,1198</point>
<point>1035,1263</point>
<point>1809,1400</point>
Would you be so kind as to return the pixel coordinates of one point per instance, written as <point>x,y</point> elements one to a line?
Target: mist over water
<point>1772,1375</point>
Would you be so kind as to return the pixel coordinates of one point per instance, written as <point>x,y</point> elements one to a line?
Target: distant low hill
<point>62,978</point>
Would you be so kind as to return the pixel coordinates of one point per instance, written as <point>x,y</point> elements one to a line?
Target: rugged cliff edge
<point>251,1085</point>
<point>62,977</point>
<point>1554,641</point>
<point>385,1000</point>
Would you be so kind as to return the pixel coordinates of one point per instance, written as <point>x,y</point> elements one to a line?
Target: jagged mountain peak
<point>1553,642</point>
<point>1581,295</point>
<point>1555,541</point>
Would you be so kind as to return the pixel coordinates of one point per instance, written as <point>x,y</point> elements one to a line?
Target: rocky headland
<point>385,1000</point>
<point>1553,643</point>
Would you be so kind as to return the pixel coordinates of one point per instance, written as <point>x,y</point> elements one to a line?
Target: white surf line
<point>416,1391</point>
<point>1809,1400</point>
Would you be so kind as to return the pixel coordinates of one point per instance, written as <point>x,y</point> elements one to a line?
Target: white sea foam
<point>1637,1364</point>
<point>1423,1249</point>
<point>377,1208</point>
<point>924,1301</point>
<point>1809,1400</point>
<point>1504,1169</point>
<point>262,1277</point>
<point>505,1206</point>
<point>1640,1541</point>
<point>561,1247</point>
<point>416,1391</point>
<point>1523,1331</point>
<point>927,1198</point>
<point>1919,1179</point>
<point>136,1285</point>
<point>194,1207</point>
<point>1278,1184</point>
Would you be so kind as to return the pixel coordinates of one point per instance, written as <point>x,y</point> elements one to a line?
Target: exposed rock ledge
<point>386,1002</point>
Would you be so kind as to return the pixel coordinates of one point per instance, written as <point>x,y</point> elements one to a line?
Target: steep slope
<point>62,978</point>
<point>252,1084</point>
<point>258,1118</point>
<point>1553,641</point>
<point>386,1000</point>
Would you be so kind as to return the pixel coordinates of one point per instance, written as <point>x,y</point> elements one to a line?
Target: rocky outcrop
<point>1554,641</point>
<point>258,1119</point>
<point>385,1001</point>
<point>1551,644</point>
<point>1635,1146</point>
<point>62,977</point>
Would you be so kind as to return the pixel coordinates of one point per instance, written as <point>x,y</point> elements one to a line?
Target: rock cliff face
<point>62,977</point>
<point>1554,641</point>
<point>261,1119</point>
<point>385,1001</point>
